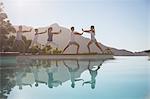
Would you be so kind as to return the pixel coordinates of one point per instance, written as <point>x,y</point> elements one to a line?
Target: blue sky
<point>122,24</point>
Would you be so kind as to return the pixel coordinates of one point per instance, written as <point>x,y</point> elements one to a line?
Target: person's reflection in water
<point>20,74</point>
<point>93,74</point>
<point>72,73</point>
<point>50,71</point>
<point>35,71</point>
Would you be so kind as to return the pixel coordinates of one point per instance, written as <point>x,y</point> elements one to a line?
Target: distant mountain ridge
<point>63,39</point>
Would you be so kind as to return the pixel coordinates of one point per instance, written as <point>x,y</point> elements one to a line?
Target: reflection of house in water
<point>51,73</point>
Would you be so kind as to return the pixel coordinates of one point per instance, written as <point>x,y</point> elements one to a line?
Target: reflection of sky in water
<point>123,78</point>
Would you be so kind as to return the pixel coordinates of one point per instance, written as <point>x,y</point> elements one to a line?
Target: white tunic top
<point>72,37</point>
<point>92,35</point>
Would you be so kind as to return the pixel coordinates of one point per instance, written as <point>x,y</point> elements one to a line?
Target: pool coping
<point>67,56</point>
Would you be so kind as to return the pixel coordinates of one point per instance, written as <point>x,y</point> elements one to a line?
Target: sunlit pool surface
<point>122,78</point>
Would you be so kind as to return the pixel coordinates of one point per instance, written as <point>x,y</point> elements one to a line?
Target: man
<point>35,40</point>
<point>19,43</point>
<point>72,40</point>
<point>93,39</point>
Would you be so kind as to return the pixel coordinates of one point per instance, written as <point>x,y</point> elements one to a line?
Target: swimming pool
<point>122,78</point>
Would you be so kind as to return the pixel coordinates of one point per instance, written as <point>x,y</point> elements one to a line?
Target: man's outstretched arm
<point>57,32</point>
<point>43,32</point>
<point>77,33</point>
<point>86,30</point>
<point>27,31</point>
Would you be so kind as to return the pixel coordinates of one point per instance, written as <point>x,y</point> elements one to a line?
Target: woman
<point>93,39</point>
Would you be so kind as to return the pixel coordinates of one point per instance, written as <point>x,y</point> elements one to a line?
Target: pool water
<point>121,78</point>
